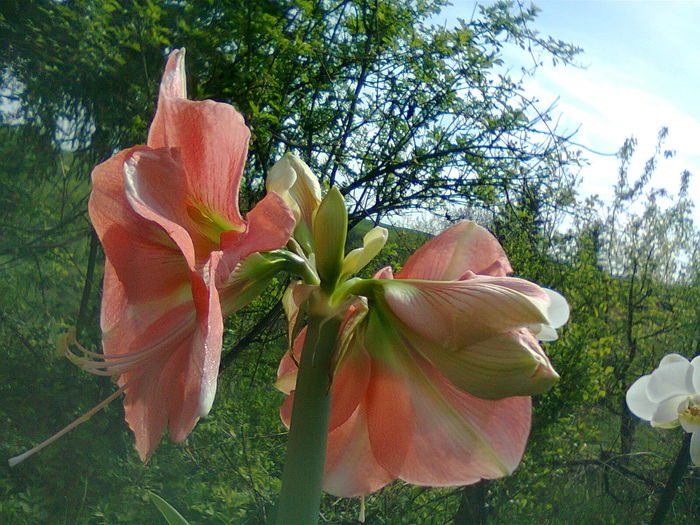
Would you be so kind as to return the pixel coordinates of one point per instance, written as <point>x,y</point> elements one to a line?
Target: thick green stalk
<point>300,499</point>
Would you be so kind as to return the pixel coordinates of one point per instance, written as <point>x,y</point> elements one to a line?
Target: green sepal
<point>330,232</point>
<point>370,288</point>
<point>302,234</point>
<point>256,271</point>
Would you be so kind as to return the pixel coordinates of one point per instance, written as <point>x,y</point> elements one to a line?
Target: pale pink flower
<point>167,216</point>
<point>433,369</point>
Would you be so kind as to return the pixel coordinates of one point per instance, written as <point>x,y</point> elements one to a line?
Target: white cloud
<point>607,107</point>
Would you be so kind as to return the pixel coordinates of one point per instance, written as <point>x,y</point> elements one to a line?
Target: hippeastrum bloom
<point>179,257</point>
<point>669,397</point>
<point>433,368</point>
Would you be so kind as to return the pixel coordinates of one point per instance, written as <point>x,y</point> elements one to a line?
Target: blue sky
<point>640,70</point>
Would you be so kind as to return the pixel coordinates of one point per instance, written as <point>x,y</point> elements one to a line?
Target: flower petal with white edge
<point>638,401</point>
<point>146,173</point>
<point>211,326</point>
<point>289,366</point>
<point>557,314</point>
<point>672,378</point>
<point>558,310</point>
<point>294,301</point>
<point>280,180</point>
<point>671,358</point>
<point>695,448</point>
<point>695,363</point>
<point>666,413</point>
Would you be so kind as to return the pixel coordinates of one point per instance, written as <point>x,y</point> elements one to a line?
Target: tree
<point>397,112</point>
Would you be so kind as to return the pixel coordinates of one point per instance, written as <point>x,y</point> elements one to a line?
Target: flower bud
<point>329,233</point>
<point>293,180</point>
<point>372,243</point>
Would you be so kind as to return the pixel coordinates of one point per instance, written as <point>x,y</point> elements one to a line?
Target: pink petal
<point>349,386</point>
<point>213,142</point>
<point>152,328</point>
<point>130,241</point>
<point>463,247</point>
<point>286,410</point>
<point>146,174</point>
<point>108,204</point>
<point>114,300</point>
<point>211,329</point>
<point>192,396</point>
<point>175,383</point>
<point>147,272</point>
<point>349,383</point>
<point>173,83</point>
<point>164,336</point>
<point>351,468</point>
<point>146,408</point>
<point>458,438</point>
<point>288,367</point>
<point>384,273</point>
<point>270,225</point>
<point>390,419</point>
<point>456,314</point>
<point>294,301</point>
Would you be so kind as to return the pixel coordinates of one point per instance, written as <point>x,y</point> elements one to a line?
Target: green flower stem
<point>300,499</point>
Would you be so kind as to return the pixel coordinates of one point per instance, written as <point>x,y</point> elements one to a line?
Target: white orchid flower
<point>669,397</point>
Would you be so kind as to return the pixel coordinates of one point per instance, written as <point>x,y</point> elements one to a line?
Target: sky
<point>639,71</point>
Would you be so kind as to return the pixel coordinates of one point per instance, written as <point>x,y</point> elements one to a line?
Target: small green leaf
<point>172,516</point>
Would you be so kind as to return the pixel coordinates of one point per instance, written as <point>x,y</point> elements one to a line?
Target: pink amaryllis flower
<point>433,368</point>
<point>179,257</point>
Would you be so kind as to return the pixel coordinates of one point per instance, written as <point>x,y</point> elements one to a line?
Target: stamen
<point>108,365</point>
<point>98,364</point>
<point>105,365</point>
<point>87,415</point>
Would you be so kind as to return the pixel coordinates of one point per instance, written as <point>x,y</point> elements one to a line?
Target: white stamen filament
<point>107,365</point>
<point>98,364</point>
<point>87,415</point>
